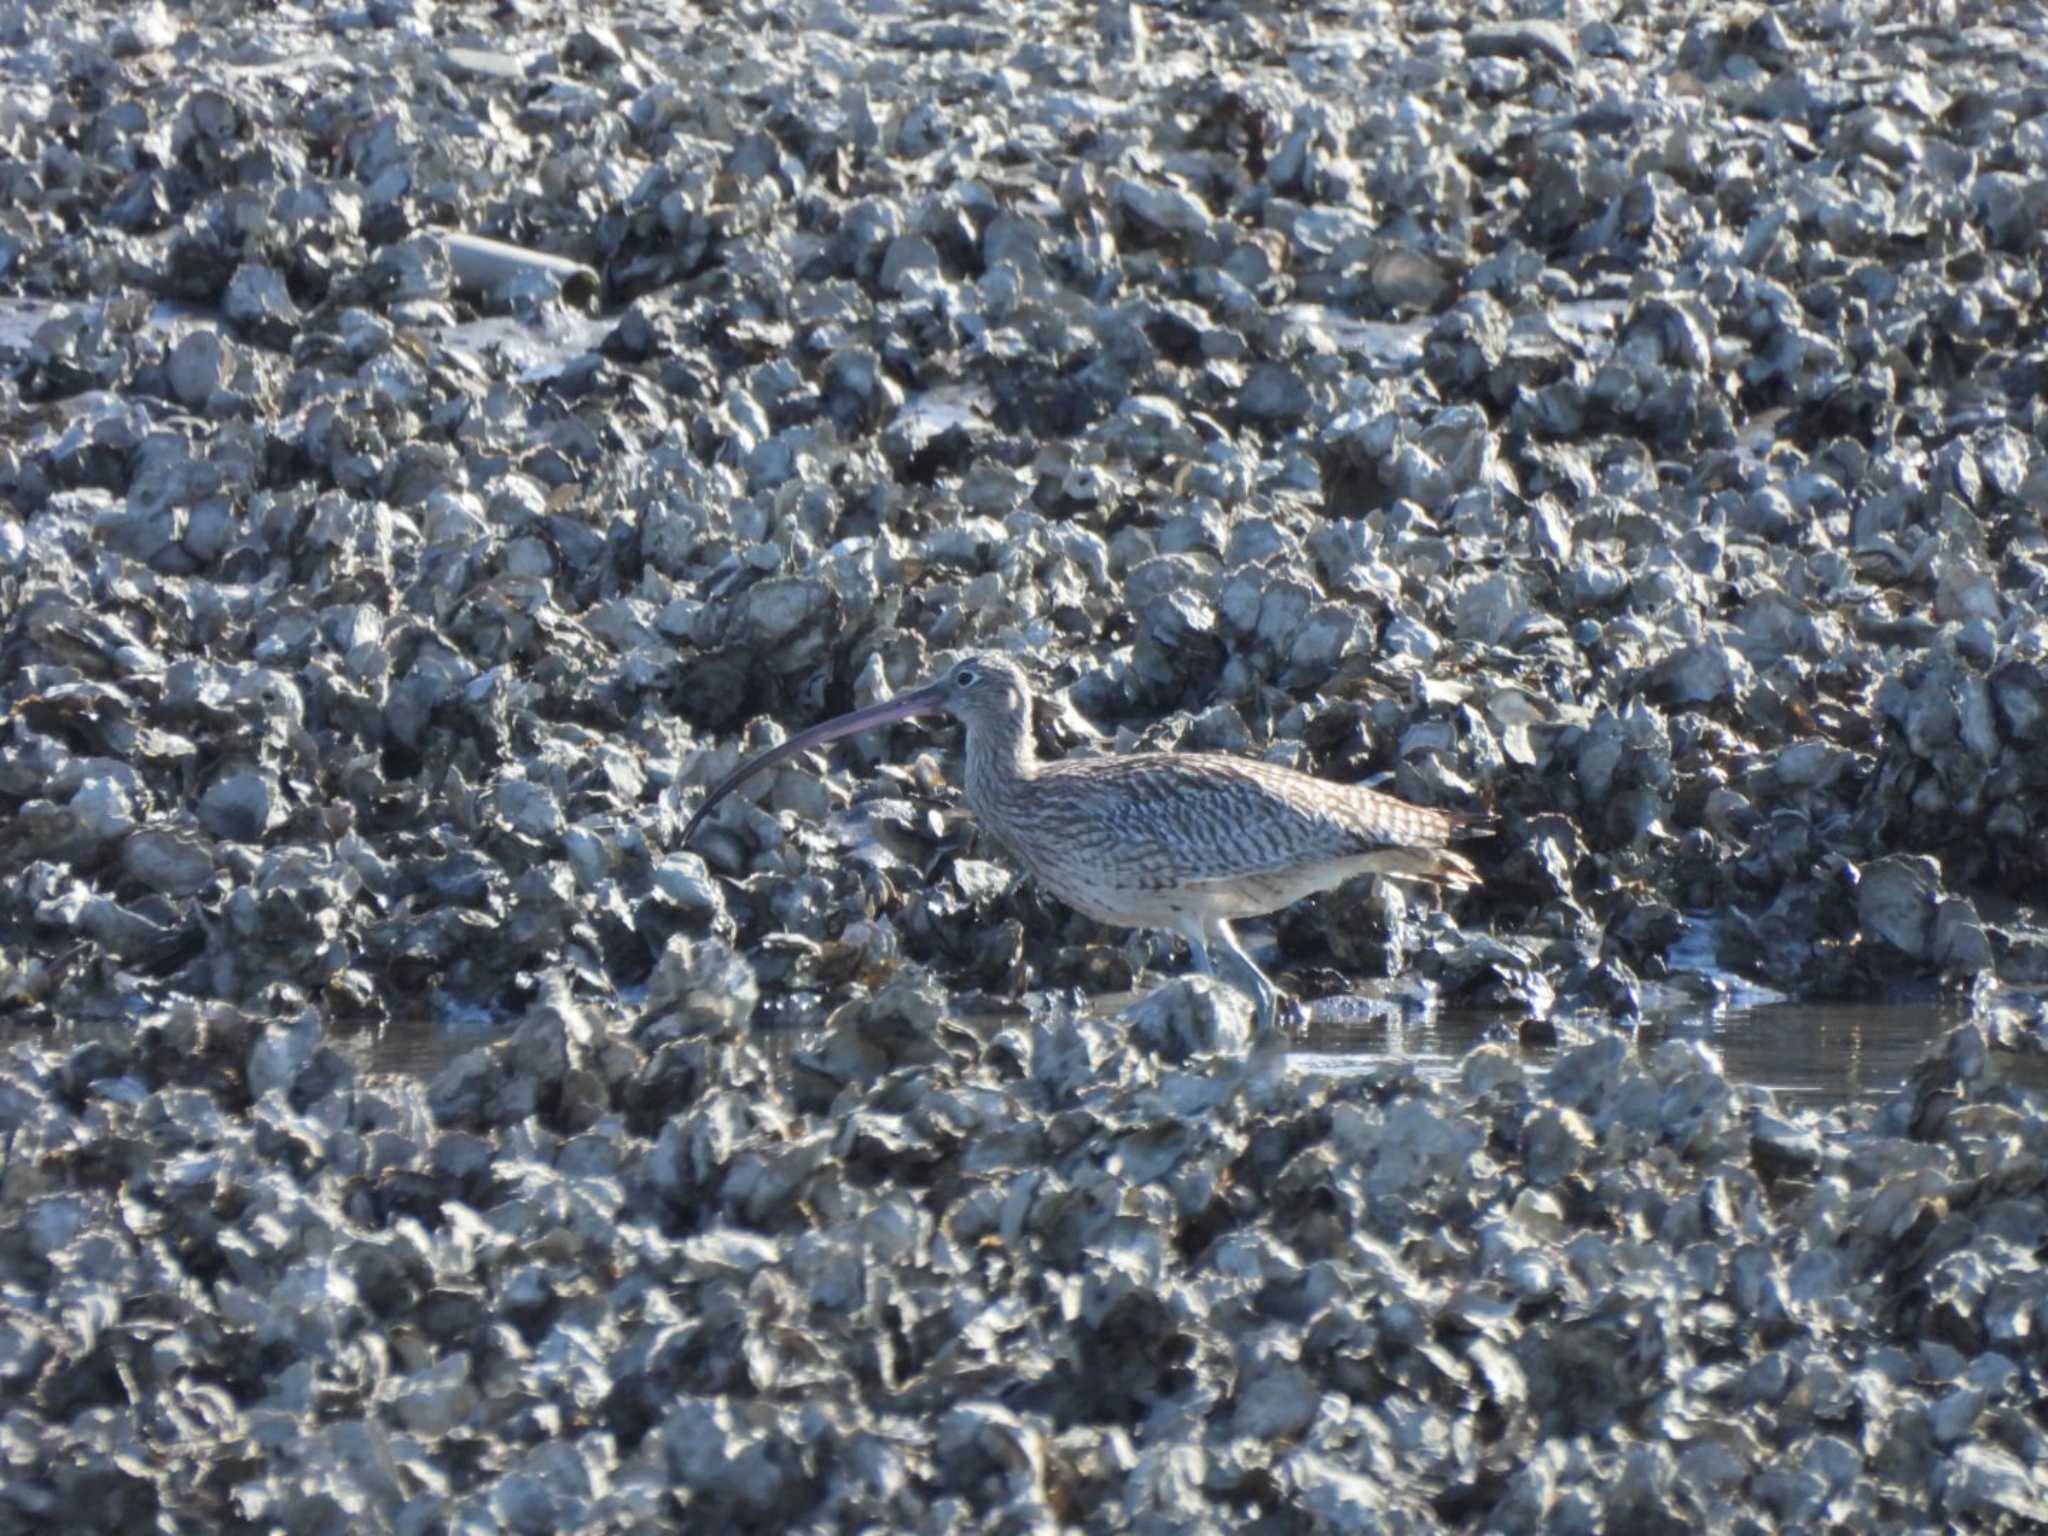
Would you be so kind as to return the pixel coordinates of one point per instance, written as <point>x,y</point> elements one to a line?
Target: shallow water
<point>1812,1054</point>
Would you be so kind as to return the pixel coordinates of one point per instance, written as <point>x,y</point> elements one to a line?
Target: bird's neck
<point>999,753</point>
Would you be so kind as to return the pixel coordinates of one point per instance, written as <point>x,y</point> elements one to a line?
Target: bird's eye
<point>965,677</point>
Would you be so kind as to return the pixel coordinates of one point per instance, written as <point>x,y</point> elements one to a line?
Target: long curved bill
<point>918,701</point>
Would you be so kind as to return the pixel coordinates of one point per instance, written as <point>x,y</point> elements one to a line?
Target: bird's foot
<point>1281,1015</point>
<point>1291,1016</point>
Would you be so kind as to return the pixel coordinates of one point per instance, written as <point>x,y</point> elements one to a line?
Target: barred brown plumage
<point>1182,841</point>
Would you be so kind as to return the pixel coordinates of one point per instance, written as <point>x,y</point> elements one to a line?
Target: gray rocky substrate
<point>1631,425</point>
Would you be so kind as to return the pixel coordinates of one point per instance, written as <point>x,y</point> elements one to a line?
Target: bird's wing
<point>1200,817</point>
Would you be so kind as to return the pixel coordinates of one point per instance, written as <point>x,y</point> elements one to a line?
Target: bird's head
<point>978,689</point>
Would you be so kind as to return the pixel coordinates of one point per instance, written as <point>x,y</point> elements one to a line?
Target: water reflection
<point>1815,1054</point>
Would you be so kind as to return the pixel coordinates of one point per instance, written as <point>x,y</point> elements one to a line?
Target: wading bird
<point>1182,841</point>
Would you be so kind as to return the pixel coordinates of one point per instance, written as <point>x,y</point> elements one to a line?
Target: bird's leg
<point>1265,996</point>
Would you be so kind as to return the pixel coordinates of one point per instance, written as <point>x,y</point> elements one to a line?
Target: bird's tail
<point>1473,823</point>
<point>1434,866</point>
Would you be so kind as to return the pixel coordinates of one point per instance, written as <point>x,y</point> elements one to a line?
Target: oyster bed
<point>1634,427</point>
